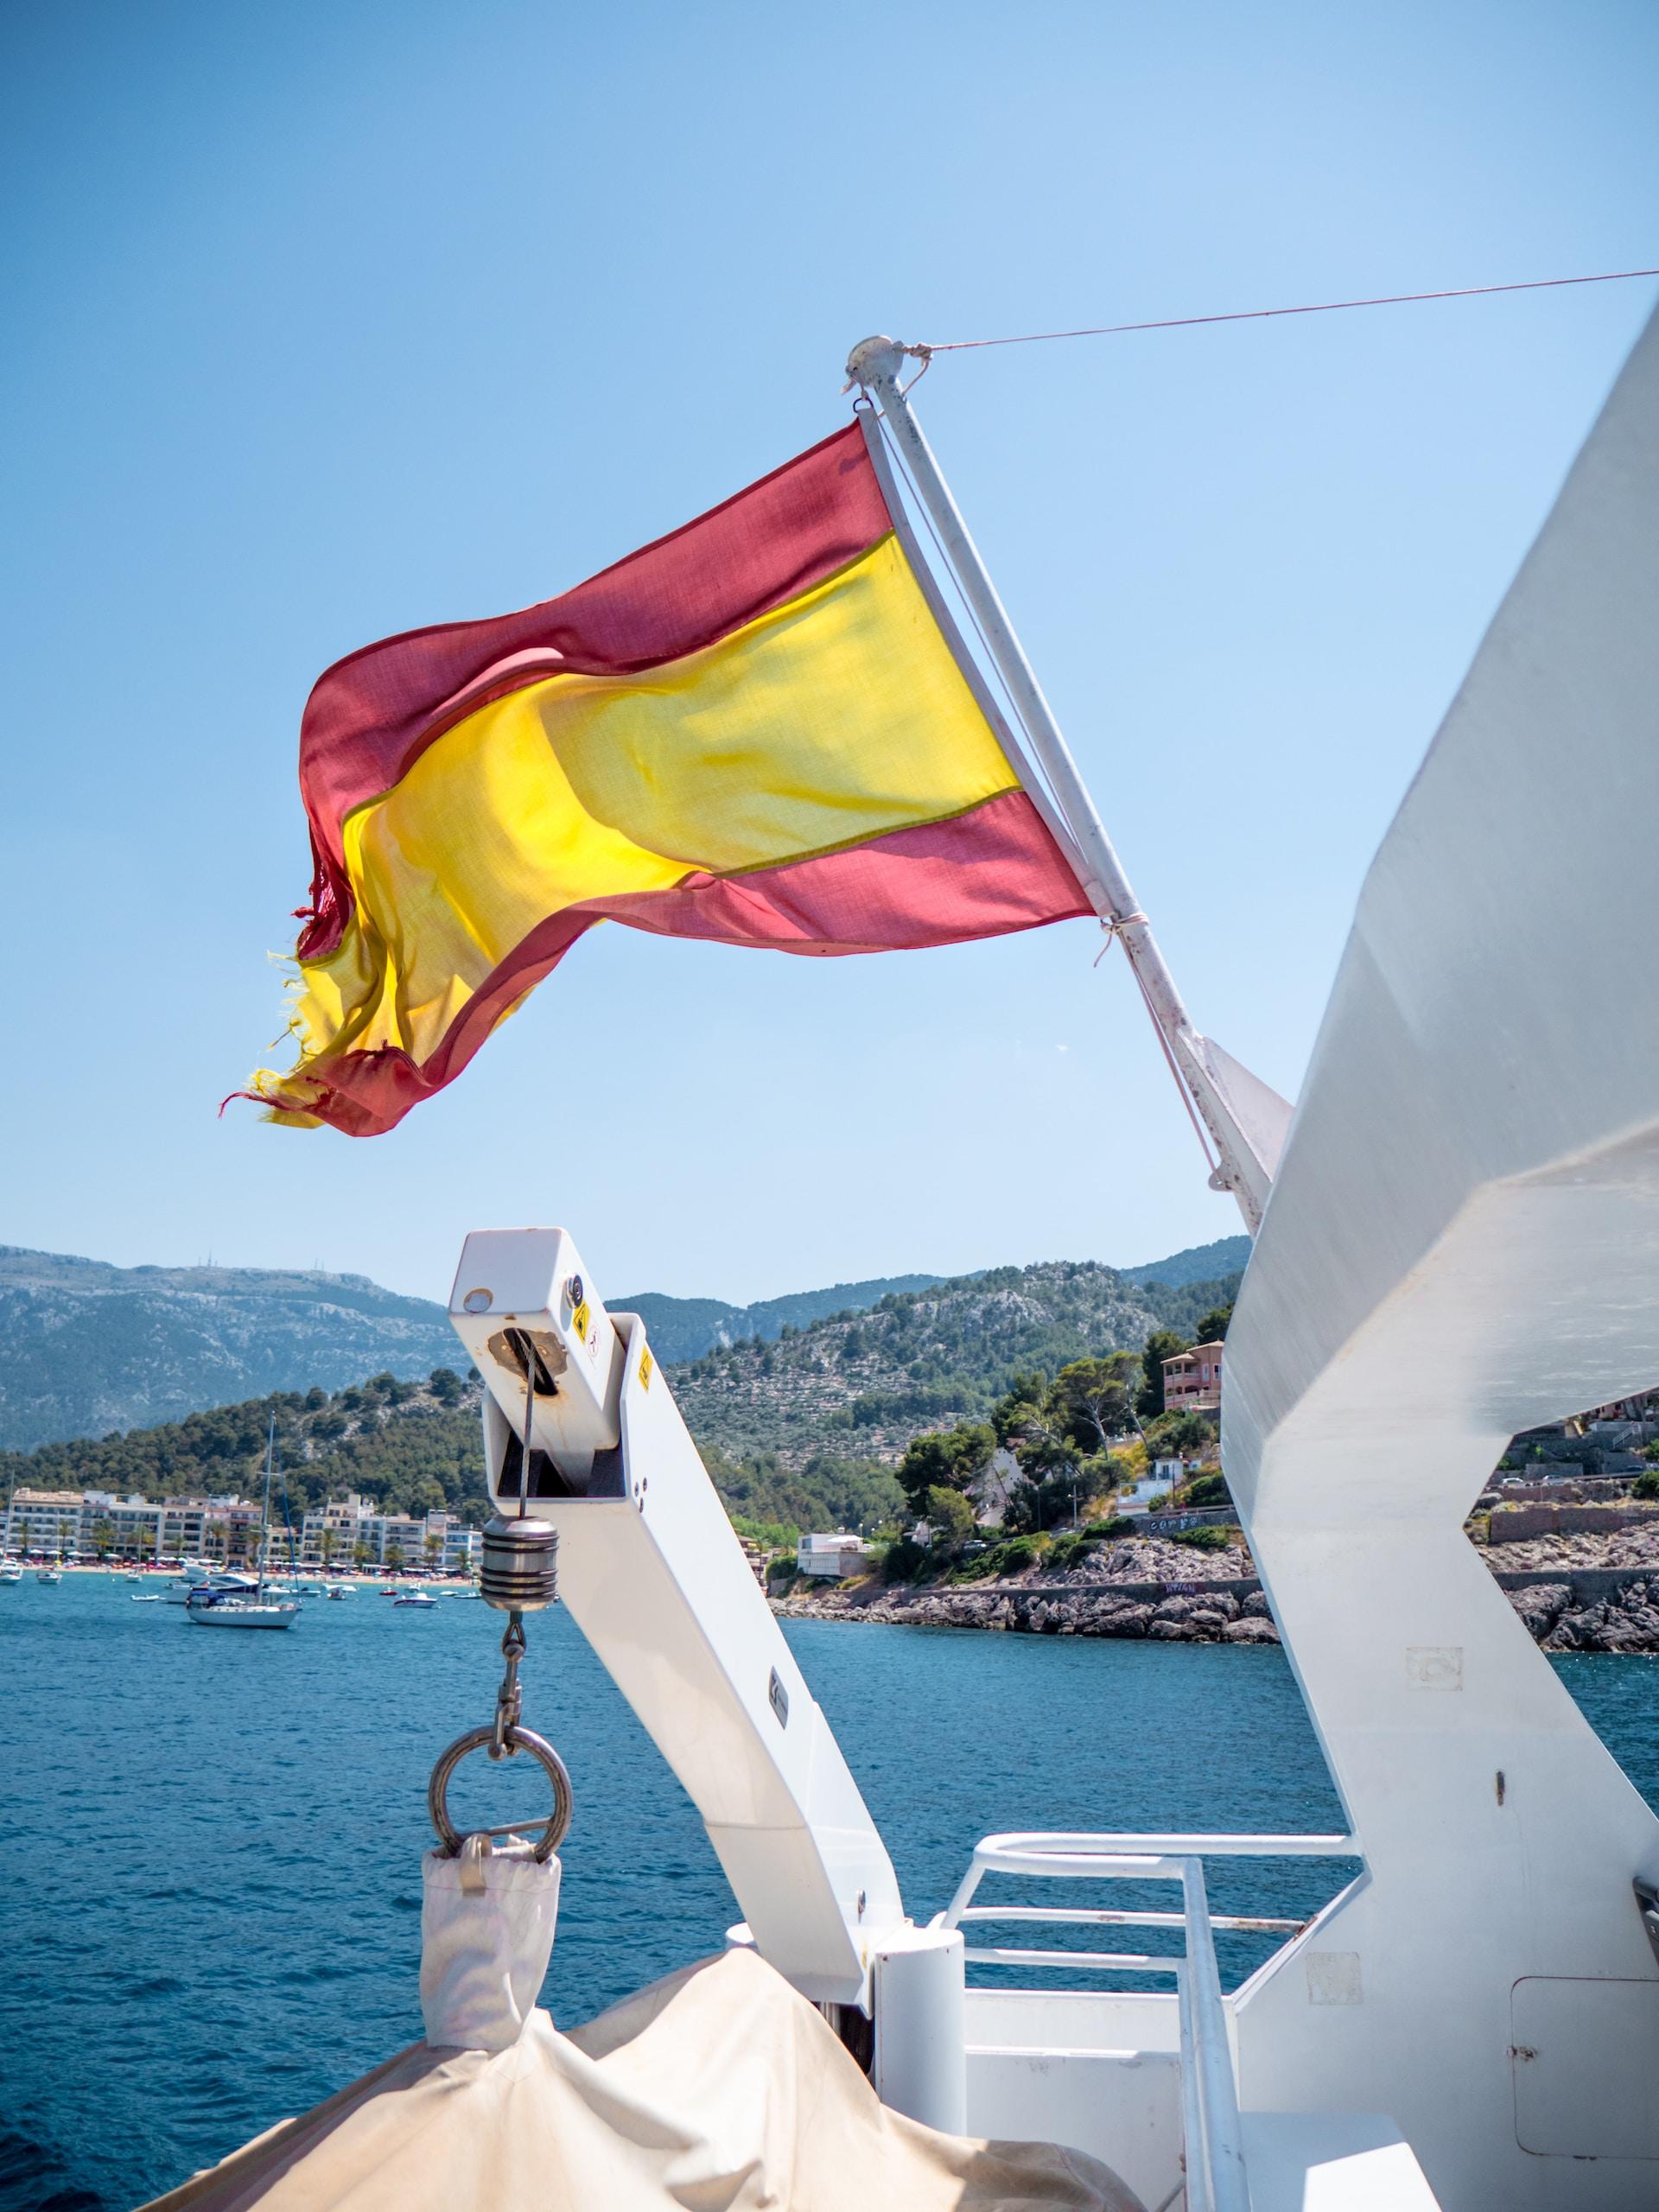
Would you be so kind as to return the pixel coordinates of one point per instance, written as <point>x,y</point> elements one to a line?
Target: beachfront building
<point>210,1528</point>
<point>44,1520</point>
<point>337,1533</point>
<point>1193,1381</point>
<point>353,1531</point>
<point>833,1556</point>
<point>93,1523</point>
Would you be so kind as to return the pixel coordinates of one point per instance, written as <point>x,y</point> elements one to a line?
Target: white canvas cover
<point>487,1918</point>
<point>720,2090</point>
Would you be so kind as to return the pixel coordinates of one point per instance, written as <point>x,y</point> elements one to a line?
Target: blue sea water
<point>210,1905</point>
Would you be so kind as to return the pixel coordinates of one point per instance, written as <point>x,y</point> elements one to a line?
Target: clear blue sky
<point>326,320</point>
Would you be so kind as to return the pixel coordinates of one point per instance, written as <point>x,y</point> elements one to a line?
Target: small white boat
<point>340,1590</point>
<point>49,1574</point>
<point>10,1571</point>
<point>245,1613</point>
<point>234,1600</point>
<point>217,1586</point>
<point>416,1598</point>
<point>151,1597</point>
<point>194,1576</point>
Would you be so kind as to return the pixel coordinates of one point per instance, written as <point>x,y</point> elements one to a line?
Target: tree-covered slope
<point>1203,1263</point>
<point>860,1386</point>
<point>87,1348</point>
<point>411,1445</point>
<point>806,1429</point>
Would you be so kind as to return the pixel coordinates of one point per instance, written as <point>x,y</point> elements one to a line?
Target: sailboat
<point>210,1607</point>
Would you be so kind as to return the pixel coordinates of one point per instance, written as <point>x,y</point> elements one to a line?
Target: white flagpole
<point>875,364</point>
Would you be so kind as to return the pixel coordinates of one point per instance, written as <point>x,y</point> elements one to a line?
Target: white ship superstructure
<point>1458,1237</point>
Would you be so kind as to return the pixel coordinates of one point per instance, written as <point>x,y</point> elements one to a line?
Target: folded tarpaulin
<point>720,2090</point>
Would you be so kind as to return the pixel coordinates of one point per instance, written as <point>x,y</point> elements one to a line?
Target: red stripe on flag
<point>983,874</point>
<point>370,716</point>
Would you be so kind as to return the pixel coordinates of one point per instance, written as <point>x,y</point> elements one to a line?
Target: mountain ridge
<point>806,1428</point>
<point>860,1386</point>
<point>1197,1263</point>
<point>683,1328</point>
<point>88,1348</point>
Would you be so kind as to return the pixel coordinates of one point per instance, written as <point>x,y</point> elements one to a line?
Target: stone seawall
<point>1519,1524</point>
<point>1211,1612</point>
<point>1582,1610</point>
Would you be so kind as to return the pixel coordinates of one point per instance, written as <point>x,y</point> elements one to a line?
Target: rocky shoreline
<point>1579,1596</point>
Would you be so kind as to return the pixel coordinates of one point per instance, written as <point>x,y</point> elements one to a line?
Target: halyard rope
<point>924,353</point>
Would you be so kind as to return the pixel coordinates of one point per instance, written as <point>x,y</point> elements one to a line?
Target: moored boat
<point>243,1605</point>
<point>245,1613</point>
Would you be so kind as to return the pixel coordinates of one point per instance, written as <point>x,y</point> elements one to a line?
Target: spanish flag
<point>759,730</point>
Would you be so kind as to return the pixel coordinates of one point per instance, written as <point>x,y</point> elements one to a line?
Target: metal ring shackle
<point>556,1824</point>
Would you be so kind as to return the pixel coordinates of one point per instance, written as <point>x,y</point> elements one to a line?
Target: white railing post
<point>1212,2136</point>
<point>1195,2163</point>
<point>1223,2143</point>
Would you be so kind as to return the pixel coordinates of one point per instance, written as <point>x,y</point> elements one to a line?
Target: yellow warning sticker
<point>645,1371</point>
<point>579,1321</point>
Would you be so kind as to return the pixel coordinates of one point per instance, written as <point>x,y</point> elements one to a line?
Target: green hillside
<point>87,1348</point>
<point>1202,1263</point>
<point>411,1445</point>
<point>860,1386</point>
<point>806,1429</point>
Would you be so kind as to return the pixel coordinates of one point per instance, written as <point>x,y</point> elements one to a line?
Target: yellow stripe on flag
<point>835,719</point>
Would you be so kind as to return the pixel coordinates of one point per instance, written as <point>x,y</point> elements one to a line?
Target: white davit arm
<point>654,1577</point>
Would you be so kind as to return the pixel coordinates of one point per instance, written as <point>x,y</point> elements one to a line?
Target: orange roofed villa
<point>1193,1381</point>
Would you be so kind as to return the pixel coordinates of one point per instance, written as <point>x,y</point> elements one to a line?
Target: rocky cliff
<point>1151,1588</point>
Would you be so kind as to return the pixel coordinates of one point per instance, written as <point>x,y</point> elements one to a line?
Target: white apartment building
<point>833,1555</point>
<point>87,1524</point>
<point>83,1525</point>
<point>350,1531</point>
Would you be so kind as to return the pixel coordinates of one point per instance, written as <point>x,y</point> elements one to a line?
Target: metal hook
<point>554,1824</point>
<point>510,1697</point>
<point>502,1739</point>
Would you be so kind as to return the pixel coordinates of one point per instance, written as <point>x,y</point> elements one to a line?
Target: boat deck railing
<point>1211,2137</point>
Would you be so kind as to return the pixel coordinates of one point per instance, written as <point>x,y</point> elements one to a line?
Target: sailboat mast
<point>875,364</point>
<point>264,1520</point>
